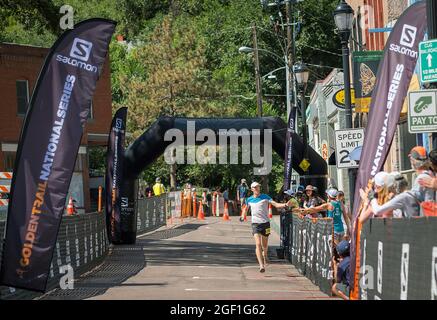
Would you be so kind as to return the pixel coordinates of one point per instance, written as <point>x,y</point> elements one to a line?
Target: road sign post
<point>422,111</point>
<point>345,142</point>
<point>428,60</point>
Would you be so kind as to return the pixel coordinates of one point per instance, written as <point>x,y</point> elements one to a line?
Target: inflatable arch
<point>150,145</point>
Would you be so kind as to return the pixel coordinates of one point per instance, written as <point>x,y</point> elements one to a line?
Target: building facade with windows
<point>19,70</point>
<point>373,22</point>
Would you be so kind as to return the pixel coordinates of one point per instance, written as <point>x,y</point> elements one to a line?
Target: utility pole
<point>259,102</point>
<point>257,74</point>
<point>290,59</point>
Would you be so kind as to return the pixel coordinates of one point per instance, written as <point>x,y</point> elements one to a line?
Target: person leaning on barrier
<point>334,211</point>
<point>341,286</point>
<point>291,201</point>
<point>430,181</point>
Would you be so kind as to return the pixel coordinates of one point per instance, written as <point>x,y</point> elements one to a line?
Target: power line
<point>318,49</point>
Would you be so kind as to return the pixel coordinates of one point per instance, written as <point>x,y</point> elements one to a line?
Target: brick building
<point>19,69</point>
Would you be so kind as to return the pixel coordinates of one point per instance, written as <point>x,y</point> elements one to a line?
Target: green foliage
<point>181,59</point>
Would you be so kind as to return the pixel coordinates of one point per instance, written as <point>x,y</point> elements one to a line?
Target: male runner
<point>259,205</point>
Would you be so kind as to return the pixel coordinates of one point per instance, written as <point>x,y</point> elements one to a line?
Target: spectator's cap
<point>309,187</point>
<point>397,175</point>
<point>418,153</point>
<point>332,193</point>
<point>300,188</point>
<point>290,192</point>
<point>158,180</point>
<point>194,189</point>
<point>433,156</point>
<point>243,180</point>
<point>380,178</point>
<point>343,247</point>
<point>254,184</point>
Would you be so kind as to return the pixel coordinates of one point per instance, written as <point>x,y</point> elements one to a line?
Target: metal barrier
<point>399,259</point>
<point>307,244</point>
<point>82,243</point>
<point>151,213</point>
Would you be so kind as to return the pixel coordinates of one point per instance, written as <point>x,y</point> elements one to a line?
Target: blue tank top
<point>336,214</point>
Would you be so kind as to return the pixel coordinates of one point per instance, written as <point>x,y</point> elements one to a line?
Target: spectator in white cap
<point>259,206</point>
<point>334,211</point>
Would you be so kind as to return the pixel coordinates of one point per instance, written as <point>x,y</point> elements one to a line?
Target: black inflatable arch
<point>150,145</point>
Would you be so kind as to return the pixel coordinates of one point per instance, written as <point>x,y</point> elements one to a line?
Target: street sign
<point>304,165</point>
<point>428,60</point>
<point>345,141</point>
<point>422,111</point>
<point>324,149</point>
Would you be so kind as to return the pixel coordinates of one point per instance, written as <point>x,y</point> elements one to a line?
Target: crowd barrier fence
<point>307,244</point>
<point>398,259</point>
<point>82,242</point>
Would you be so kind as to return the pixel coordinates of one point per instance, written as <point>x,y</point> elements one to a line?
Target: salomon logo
<point>408,36</point>
<point>81,49</point>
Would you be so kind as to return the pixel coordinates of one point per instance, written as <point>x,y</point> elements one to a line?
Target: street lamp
<point>302,74</point>
<point>344,17</point>
<point>281,60</point>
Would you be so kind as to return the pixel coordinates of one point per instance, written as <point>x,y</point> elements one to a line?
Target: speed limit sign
<point>345,142</point>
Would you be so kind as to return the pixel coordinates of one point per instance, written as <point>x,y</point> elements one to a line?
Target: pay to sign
<point>422,111</point>
<point>345,142</point>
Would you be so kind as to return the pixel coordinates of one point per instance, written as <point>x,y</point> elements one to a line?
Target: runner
<point>259,205</point>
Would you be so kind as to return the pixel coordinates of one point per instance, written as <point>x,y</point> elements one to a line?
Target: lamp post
<point>302,74</point>
<point>344,17</point>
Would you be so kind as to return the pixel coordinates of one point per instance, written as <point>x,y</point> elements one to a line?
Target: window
<point>9,160</point>
<point>22,87</point>
<point>90,114</point>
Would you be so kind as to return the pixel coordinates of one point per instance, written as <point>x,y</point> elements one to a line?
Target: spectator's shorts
<point>343,288</point>
<point>261,228</point>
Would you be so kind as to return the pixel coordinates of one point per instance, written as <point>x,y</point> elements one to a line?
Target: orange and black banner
<point>114,174</point>
<point>47,150</point>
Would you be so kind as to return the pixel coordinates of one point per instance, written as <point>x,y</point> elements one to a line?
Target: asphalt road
<point>211,259</point>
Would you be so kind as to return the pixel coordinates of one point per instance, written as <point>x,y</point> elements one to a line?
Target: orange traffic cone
<point>70,207</point>
<point>194,205</point>
<point>226,213</point>
<point>201,215</point>
<point>270,211</point>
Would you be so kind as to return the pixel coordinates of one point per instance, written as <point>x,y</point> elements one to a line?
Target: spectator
<point>374,198</point>
<point>226,195</point>
<point>292,202</point>
<point>158,187</point>
<point>148,191</point>
<point>313,200</point>
<point>419,162</point>
<point>429,181</point>
<point>242,192</point>
<point>334,211</point>
<point>341,287</point>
